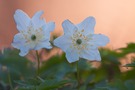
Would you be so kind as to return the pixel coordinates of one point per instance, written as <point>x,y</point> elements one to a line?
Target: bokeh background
<point>115,18</point>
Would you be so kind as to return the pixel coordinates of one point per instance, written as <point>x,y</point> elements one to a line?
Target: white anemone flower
<point>79,41</point>
<point>34,33</point>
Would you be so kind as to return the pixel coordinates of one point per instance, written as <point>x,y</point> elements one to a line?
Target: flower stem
<point>9,79</point>
<point>78,76</point>
<point>38,66</point>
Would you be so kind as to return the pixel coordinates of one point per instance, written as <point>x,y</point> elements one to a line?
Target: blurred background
<point>114,18</point>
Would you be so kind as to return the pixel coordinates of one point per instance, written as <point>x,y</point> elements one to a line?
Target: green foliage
<point>129,49</point>
<point>57,74</point>
<point>130,65</point>
<point>15,66</point>
<point>36,84</point>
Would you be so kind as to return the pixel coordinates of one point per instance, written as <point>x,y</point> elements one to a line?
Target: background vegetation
<point>19,73</point>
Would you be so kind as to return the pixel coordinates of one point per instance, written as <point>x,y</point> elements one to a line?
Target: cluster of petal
<point>79,41</point>
<point>34,33</point>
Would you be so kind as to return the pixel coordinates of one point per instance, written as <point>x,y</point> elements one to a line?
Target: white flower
<point>79,41</point>
<point>34,33</point>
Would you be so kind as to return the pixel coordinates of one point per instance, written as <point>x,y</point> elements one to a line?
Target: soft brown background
<point>115,18</point>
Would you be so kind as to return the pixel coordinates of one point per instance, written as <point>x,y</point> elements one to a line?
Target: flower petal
<point>72,55</point>
<point>18,41</point>
<point>49,26</point>
<point>99,40</point>
<point>91,55</point>
<point>68,27</point>
<point>43,45</point>
<point>22,20</point>
<point>46,29</point>
<point>37,21</point>
<point>63,42</point>
<point>23,51</point>
<point>87,25</point>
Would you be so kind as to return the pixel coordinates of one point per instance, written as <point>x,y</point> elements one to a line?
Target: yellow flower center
<point>79,41</point>
<point>33,36</point>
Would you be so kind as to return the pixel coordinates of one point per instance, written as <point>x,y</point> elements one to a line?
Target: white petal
<point>72,55</point>
<point>46,29</point>
<point>68,27</point>
<point>49,26</point>
<point>23,51</point>
<point>37,21</point>
<point>63,42</point>
<point>46,36</point>
<point>87,25</point>
<point>43,45</point>
<point>22,20</point>
<point>91,54</point>
<point>100,40</point>
<point>18,41</point>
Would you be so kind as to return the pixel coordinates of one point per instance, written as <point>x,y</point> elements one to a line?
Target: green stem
<point>38,66</point>
<point>9,79</point>
<point>78,76</point>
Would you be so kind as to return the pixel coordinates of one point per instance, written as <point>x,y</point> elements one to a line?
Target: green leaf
<point>52,84</point>
<point>130,65</point>
<point>129,49</point>
<point>101,88</point>
<point>18,67</point>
